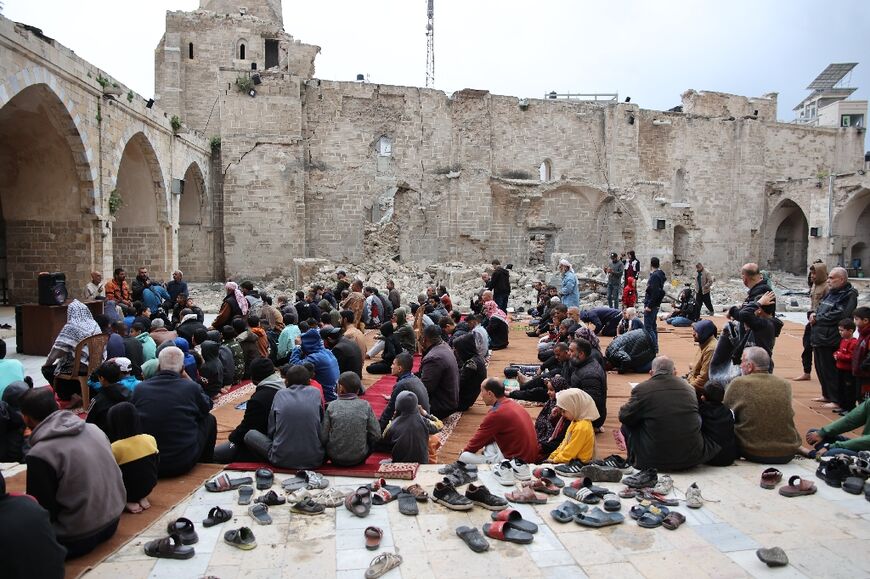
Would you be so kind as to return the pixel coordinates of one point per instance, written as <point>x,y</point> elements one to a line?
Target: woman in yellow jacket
<point>579,442</point>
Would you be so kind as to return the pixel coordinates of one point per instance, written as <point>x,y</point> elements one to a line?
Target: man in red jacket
<point>506,432</point>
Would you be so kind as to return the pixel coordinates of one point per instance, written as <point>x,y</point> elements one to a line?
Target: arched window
<point>190,51</point>
<point>241,51</point>
<point>546,171</point>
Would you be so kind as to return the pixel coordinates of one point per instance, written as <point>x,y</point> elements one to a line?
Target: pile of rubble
<point>463,281</point>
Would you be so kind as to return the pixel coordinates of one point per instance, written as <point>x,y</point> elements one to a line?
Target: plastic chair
<point>96,346</point>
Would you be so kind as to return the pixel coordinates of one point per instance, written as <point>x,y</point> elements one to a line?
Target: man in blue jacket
<point>652,300</point>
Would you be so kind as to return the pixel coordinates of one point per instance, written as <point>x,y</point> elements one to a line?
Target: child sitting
<point>12,443</point>
<point>843,359</point>
<point>578,408</point>
<point>350,428</point>
<point>408,434</point>
<point>111,392</point>
<point>136,454</point>
<point>717,424</point>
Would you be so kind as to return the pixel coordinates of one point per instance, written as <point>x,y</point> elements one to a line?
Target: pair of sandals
<point>181,534</point>
<point>651,516</point>
<point>305,479</point>
<point>509,525</point>
<point>359,502</point>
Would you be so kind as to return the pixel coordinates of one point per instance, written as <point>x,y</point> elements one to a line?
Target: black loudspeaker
<point>52,289</point>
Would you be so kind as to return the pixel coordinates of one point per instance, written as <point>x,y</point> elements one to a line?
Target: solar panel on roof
<point>833,74</point>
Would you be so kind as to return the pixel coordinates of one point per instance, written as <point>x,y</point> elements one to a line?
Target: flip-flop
<point>549,475</point>
<point>265,477</point>
<point>515,518</point>
<point>246,494</point>
<point>271,499</point>
<point>223,482</point>
<point>797,487</point>
<point>183,527</point>
<point>473,538</point>
<point>293,483</point>
<point>408,504</point>
<point>382,564</point>
<point>308,507</point>
<point>541,486</point>
<point>383,496</point>
<point>583,494</point>
<point>168,548</point>
<point>650,520</point>
<point>673,520</point>
<point>773,557</point>
<point>566,512</point>
<point>503,531</point>
<point>216,516</point>
<point>373,537</point>
<point>418,492</point>
<point>242,538</point>
<point>359,502</point>
<point>770,478</point>
<point>526,495</point>
<point>598,518</point>
<point>260,513</point>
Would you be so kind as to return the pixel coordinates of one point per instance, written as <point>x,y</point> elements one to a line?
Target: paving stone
<point>725,537</point>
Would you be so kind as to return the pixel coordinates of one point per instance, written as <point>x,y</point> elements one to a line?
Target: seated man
<point>631,352</point>
<point>325,364</point>
<point>439,372</point>
<point>159,332</point>
<point>268,383</point>
<point>704,334</point>
<point>763,413</point>
<point>175,411</point>
<point>661,423</point>
<point>604,319</point>
<point>506,432</point>
<point>829,440</point>
<point>72,473</point>
<point>588,375</point>
<point>629,322</point>
<point>350,430</point>
<point>405,380</point>
<point>28,546</point>
<point>293,439</point>
<point>344,349</point>
<point>535,388</point>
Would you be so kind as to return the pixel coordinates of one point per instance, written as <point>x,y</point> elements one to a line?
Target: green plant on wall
<point>103,81</point>
<point>115,202</point>
<point>215,143</point>
<point>130,96</point>
<point>175,122</point>
<point>244,83</point>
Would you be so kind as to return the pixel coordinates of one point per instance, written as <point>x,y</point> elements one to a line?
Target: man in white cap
<point>569,293</point>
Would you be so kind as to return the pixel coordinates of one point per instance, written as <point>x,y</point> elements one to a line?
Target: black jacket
<point>107,397</point>
<point>655,290</point>
<point>631,350</point>
<point>257,409</point>
<point>835,306</point>
<point>591,378</point>
<point>187,329</point>
<point>717,426</point>
<point>500,282</point>
<point>349,357</point>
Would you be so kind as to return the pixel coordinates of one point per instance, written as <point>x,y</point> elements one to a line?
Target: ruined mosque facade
<point>265,165</point>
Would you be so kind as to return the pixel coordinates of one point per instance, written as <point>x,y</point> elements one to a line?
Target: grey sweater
<point>349,430</point>
<point>294,427</point>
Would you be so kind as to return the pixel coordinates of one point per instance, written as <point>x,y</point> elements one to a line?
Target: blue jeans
<point>649,325</point>
<point>828,440</point>
<point>679,322</point>
<point>613,291</point>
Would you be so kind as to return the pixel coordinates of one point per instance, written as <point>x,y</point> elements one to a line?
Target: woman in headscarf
<point>472,370</point>
<point>135,452</point>
<point>190,362</point>
<point>234,305</point>
<point>388,353</point>
<point>579,409</point>
<point>497,327</point>
<point>404,331</point>
<point>80,324</point>
<point>550,426</point>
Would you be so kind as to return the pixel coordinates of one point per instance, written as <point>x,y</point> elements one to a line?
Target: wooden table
<point>37,326</point>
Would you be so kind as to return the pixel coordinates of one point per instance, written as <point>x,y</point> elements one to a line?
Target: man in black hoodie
<point>268,383</point>
<point>838,304</point>
<point>500,284</point>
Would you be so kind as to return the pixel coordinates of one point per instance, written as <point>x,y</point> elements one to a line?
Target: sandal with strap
<point>359,502</point>
<point>223,482</point>
<point>216,516</point>
<point>242,538</point>
<point>418,492</point>
<point>473,538</point>
<point>246,494</point>
<point>308,507</point>
<point>566,512</point>
<point>526,495</point>
<point>504,531</point>
<point>797,487</point>
<point>382,564</point>
<point>168,548</point>
<point>598,518</point>
<point>270,499</point>
<point>770,478</point>
<point>516,520</point>
<point>260,513</point>
<point>331,497</point>
<point>373,537</point>
<point>184,529</point>
<point>673,520</point>
<point>583,495</point>
<point>549,476</point>
<point>541,486</point>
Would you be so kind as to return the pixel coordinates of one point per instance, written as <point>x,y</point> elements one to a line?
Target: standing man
<point>500,284</point>
<point>838,304</point>
<point>652,300</point>
<point>704,281</point>
<point>569,293</point>
<point>96,288</point>
<point>176,286</point>
<point>393,295</point>
<point>614,280</point>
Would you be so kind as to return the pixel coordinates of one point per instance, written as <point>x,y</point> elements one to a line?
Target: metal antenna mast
<point>430,44</point>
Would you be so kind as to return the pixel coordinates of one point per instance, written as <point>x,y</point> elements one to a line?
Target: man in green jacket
<point>829,440</point>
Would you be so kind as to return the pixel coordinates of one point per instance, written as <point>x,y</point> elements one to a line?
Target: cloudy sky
<point>649,50</point>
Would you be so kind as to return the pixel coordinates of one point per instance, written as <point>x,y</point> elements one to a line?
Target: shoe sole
<point>246,547</point>
<point>505,482</point>
<point>453,507</point>
<point>490,507</point>
<point>599,474</point>
<point>305,512</point>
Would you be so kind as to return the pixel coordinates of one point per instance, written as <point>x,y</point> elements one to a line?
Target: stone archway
<point>195,233</point>
<point>139,235</point>
<point>852,225</point>
<point>790,238</point>
<point>45,184</point>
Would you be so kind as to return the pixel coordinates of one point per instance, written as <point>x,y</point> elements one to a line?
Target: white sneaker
<point>665,485</point>
<point>503,473</point>
<point>521,469</point>
<point>693,497</point>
